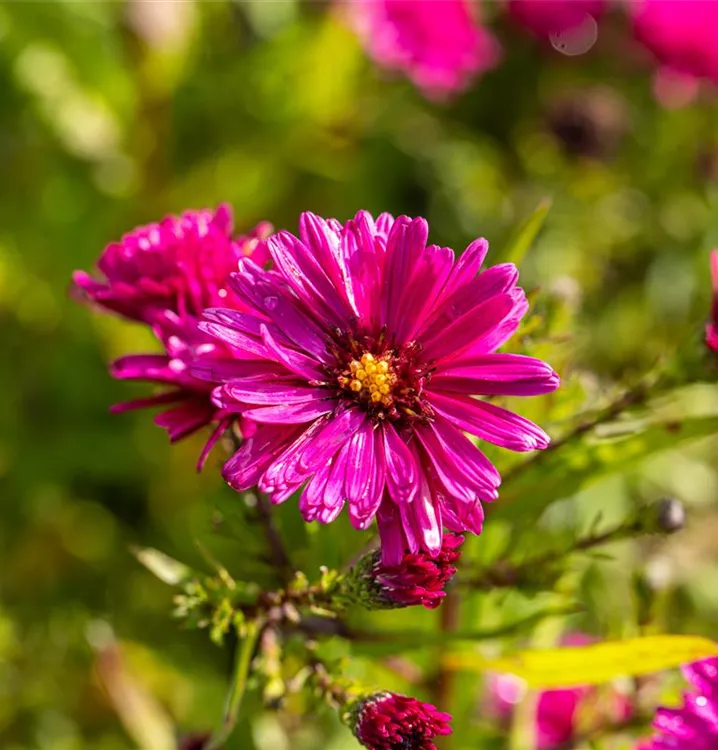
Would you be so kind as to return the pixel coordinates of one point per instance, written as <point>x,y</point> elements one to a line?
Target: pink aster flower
<point>545,17</point>
<point>681,34</point>
<point>417,580</point>
<point>364,350</point>
<point>712,325</point>
<point>438,44</point>
<point>164,275</point>
<point>389,721</point>
<point>180,265</point>
<point>693,726</point>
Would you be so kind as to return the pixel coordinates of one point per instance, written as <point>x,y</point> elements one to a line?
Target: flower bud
<point>417,580</point>
<point>671,515</point>
<point>386,721</point>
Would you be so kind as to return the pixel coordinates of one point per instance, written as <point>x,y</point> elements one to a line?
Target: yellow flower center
<point>371,378</point>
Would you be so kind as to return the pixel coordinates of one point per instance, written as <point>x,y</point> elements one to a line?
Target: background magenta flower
<point>164,275</point>
<point>712,325</point>
<point>693,726</point>
<point>680,33</point>
<point>558,712</point>
<point>364,348</point>
<point>438,44</point>
<point>545,17</point>
<point>388,721</point>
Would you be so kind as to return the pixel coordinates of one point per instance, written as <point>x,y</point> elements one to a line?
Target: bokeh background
<point>116,113</point>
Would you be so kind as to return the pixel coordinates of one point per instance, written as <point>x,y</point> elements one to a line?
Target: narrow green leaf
<point>562,472</point>
<point>524,237</point>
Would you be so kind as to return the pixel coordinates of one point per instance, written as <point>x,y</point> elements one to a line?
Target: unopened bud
<point>417,579</point>
<point>671,515</point>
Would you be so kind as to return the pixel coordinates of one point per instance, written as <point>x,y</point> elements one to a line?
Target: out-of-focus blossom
<point>180,265</point>
<point>560,714</point>
<point>164,275</point>
<point>417,580</point>
<point>712,325</point>
<point>366,347</point>
<point>546,17</point>
<point>437,44</point>
<point>694,725</point>
<point>680,33</point>
<point>389,721</point>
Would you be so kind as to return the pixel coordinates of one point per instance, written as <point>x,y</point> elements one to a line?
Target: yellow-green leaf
<point>589,665</point>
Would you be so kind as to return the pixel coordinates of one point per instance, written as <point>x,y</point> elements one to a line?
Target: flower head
<point>436,43</point>
<point>179,265</point>
<point>364,347</point>
<point>164,275</point>
<point>417,580</point>
<point>389,721</point>
<point>681,34</point>
<point>693,726</point>
<point>712,325</point>
<point>545,17</point>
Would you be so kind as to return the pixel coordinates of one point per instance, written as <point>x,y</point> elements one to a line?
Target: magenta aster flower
<point>180,265</point>
<point>364,349</point>
<point>681,34</point>
<point>388,721</point>
<point>545,17</point>
<point>164,275</point>
<point>438,44</point>
<point>693,726</point>
<point>712,325</point>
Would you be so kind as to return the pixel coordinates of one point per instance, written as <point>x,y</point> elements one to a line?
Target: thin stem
<point>634,396</point>
<point>278,552</point>
<point>506,575</point>
<point>444,679</point>
<point>237,687</point>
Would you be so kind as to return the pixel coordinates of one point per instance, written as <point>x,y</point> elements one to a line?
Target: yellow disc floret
<point>370,378</point>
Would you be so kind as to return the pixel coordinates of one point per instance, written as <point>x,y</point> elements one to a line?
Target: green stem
<point>237,687</point>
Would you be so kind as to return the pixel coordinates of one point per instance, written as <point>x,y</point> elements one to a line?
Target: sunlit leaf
<point>166,568</point>
<point>590,665</point>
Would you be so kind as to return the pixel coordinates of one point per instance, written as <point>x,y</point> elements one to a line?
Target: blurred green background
<point>116,113</point>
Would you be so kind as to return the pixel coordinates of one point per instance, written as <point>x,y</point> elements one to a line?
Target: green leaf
<point>523,238</point>
<point>560,473</point>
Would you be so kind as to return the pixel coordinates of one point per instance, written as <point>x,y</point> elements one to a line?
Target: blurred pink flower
<point>438,44</point>
<point>164,275</point>
<point>545,17</point>
<point>557,718</point>
<point>694,725</point>
<point>682,34</point>
<point>712,325</point>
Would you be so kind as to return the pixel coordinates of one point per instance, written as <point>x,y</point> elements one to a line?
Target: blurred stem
<point>278,553</point>
<point>506,575</point>
<point>238,686</point>
<point>444,678</point>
